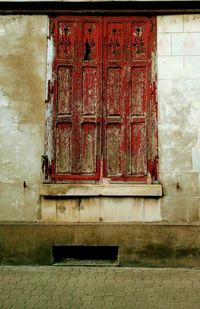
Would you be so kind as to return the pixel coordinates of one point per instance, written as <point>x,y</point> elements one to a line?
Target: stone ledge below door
<point>92,190</point>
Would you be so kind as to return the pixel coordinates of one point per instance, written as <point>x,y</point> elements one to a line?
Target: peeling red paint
<point>104,106</point>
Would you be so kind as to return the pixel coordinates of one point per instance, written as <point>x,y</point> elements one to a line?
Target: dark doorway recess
<point>85,255</point>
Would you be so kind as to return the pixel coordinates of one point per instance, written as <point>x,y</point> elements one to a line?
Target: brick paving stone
<point>53,287</point>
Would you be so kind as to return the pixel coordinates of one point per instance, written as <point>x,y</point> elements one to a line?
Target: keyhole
<point>87,50</point>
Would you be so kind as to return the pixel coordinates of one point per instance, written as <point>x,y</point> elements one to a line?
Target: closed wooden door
<point>102,72</point>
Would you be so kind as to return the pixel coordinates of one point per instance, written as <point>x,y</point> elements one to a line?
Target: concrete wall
<point>179,114</point>
<point>22,92</point>
<point>160,245</point>
<point>22,95</point>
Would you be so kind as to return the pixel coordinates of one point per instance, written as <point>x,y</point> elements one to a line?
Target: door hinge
<point>49,91</point>
<point>153,90</point>
<point>152,170</point>
<point>46,167</point>
<point>51,29</point>
<point>151,26</point>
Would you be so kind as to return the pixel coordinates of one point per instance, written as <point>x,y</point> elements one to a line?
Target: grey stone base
<point>156,245</point>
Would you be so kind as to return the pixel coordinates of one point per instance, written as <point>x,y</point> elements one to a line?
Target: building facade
<point>100,138</point>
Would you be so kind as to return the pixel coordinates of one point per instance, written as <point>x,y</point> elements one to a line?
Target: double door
<point>102,73</point>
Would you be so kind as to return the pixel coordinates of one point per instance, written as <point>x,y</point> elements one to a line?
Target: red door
<point>77,97</point>
<point>126,67</point>
<point>102,73</point>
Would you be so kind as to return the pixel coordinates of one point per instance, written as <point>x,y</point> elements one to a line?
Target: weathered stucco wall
<point>22,95</point>
<point>179,114</point>
<point>22,92</point>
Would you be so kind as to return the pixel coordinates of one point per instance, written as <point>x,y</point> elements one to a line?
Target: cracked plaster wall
<point>22,92</point>
<point>179,114</point>
<point>22,95</point>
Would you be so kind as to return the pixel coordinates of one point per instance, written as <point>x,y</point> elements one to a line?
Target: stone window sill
<point>86,190</point>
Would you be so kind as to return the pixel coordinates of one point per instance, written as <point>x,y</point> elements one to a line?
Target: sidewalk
<point>61,287</point>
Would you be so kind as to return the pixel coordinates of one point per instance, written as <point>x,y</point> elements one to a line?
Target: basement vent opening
<point>85,255</point>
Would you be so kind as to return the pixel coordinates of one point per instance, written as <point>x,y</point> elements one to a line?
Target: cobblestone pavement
<point>98,287</point>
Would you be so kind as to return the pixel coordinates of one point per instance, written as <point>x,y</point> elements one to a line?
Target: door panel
<point>113,92</point>
<point>114,96</point>
<point>138,91</point>
<point>65,78</point>
<point>113,149</point>
<point>140,40</point>
<point>138,149</point>
<point>126,68</point>
<point>78,67</point>
<point>90,91</point>
<point>66,40</point>
<point>88,151</point>
<point>63,147</point>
